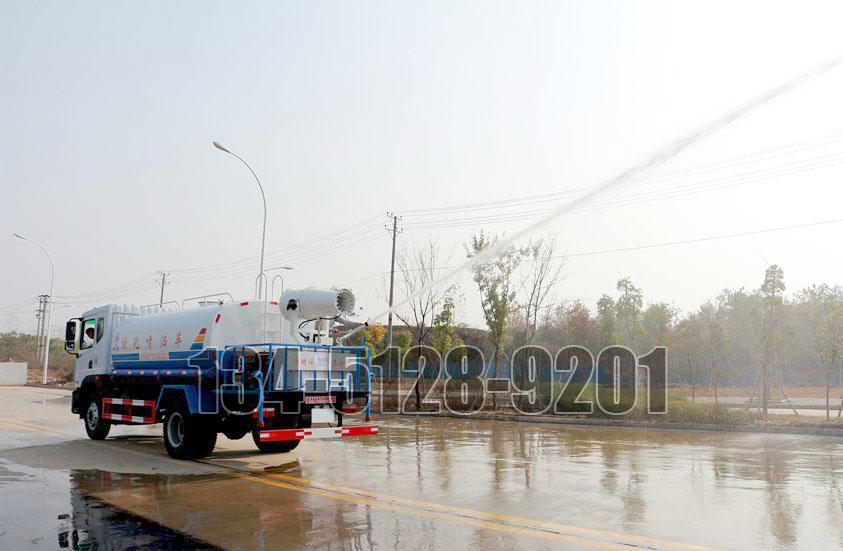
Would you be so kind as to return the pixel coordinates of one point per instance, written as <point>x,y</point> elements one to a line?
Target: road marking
<point>480,519</point>
<point>35,428</point>
<point>532,524</point>
<point>515,530</point>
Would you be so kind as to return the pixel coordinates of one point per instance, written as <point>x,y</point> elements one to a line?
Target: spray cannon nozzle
<point>312,303</point>
<point>354,331</point>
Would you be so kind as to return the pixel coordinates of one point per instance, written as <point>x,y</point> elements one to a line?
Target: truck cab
<point>88,338</point>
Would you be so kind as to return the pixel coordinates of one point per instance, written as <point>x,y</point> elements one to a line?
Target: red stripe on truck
<point>327,432</point>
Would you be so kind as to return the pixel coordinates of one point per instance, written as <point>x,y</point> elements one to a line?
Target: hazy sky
<point>347,110</point>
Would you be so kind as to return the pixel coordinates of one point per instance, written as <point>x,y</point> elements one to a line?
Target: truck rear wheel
<point>188,436</point>
<point>96,427</point>
<point>283,446</point>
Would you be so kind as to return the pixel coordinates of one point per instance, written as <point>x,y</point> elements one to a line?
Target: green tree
<point>816,305</point>
<point>444,331</point>
<point>715,340</point>
<point>830,347</point>
<point>403,340</point>
<point>493,276</point>
<point>607,323</point>
<point>580,328</point>
<point>628,306</point>
<point>770,330</point>
<point>657,322</point>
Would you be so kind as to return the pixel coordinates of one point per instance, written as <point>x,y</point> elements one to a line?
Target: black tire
<point>96,427</point>
<point>188,436</point>
<point>236,434</point>
<point>283,446</point>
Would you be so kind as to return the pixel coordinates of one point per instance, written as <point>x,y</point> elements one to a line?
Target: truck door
<point>92,358</point>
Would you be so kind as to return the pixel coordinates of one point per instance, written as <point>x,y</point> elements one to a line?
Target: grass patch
<point>679,409</point>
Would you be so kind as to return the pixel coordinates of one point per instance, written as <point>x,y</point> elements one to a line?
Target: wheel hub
<point>92,416</point>
<point>175,429</point>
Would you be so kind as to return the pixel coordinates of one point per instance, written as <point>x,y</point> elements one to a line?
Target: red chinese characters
<point>149,342</point>
<point>163,343</point>
<point>136,344</point>
<point>178,339</point>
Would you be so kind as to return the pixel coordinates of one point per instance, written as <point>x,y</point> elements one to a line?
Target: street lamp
<point>263,196</point>
<point>279,277</point>
<point>50,310</point>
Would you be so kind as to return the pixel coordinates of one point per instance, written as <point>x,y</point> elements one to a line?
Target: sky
<point>347,111</point>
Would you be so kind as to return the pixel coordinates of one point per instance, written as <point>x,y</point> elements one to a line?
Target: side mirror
<point>71,331</point>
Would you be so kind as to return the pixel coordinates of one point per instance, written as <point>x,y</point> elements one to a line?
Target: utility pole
<point>163,281</point>
<point>394,231</point>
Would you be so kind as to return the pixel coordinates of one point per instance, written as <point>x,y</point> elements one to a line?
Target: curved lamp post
<point>50,310</point>
<point>263,196</point>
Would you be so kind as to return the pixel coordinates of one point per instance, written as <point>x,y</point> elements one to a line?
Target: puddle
<point>48,509</point>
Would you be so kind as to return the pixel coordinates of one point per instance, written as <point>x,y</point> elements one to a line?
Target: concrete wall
<point>12,373</point>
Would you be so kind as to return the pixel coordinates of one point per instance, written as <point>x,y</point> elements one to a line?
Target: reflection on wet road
<point>426,483</point>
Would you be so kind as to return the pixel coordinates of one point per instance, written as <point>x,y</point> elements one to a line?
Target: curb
<point>810,431</point>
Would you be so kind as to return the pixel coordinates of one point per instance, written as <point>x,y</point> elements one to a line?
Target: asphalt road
<point>426,483</point>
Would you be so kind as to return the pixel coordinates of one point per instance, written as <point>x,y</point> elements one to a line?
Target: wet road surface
<point>426,483</point>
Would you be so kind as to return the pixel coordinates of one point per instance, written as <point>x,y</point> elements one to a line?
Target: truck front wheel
<point>96,427</point>
<point>188,436</point>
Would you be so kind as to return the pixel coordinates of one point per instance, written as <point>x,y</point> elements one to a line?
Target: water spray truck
<point>272,369</point>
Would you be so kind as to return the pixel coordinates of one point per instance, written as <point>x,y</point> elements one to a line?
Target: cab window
<point>89,334</point>
<point>100,328</point>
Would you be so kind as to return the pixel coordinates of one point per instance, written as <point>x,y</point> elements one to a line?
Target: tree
<point>689,351</point>
<point>607,332</point>
<point>770,330</point>
<point>542,274</point>
<point>445,335</point>
<point>493,277</point>
<point>818,306</point>
<point>580,328</point>
<point>417,280</point>
<point>629,306</point>
<point>715,339</point>
<point>373,336</point>
<point>739,313</point>
<point>657,323</point>
<point>403,340</point>
<point>830,347</point>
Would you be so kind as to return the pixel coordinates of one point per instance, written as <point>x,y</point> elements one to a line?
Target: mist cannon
<point>322,306</point>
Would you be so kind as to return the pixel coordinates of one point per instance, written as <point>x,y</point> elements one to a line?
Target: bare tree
<point>417,271</point>
<point>544,271</point>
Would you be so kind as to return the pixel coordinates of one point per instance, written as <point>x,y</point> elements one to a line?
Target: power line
<point>319,253</point>
<point>706,167</point>
<point>701,239</point>
<point>150,281</point>
<point>653,245</point>
<point>285,250</point>
<point>647,196</point>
